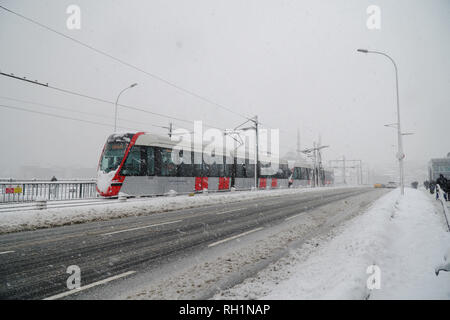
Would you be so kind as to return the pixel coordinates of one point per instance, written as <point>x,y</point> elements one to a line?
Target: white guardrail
<point>18,191</point>
<point>444,204</point>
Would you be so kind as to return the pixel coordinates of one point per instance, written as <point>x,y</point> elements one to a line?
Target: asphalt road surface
<point>33,264</point>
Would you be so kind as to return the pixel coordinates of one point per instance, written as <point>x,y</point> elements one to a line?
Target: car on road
<point>391,185</point>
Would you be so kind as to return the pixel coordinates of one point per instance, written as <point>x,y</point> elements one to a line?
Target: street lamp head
<point>133,85</point>
<point>363,50</point>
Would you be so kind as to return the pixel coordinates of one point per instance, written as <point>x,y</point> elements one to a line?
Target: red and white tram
<point>141,164</point>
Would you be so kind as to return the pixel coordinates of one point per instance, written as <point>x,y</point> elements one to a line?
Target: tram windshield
<point>112,156</point>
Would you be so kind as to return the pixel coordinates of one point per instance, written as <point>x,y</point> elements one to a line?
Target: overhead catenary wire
<point>71,92</point>
<point>59,108</point>
<point>140,109</point>
<point>121,61</point>
<point>130,65</point>
<point>104,53</point>
<point>61,116</point>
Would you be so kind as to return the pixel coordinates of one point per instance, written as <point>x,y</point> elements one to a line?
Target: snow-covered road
<point>102,210</point>
<point>187,253</point>
<point>405,239</point>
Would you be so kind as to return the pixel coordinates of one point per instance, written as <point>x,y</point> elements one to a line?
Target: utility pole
<point>315,164</point>
<point>400,155</point>
<point>360,172</point>
<point>345,174</point>
<point>256,128</point>
<point>314,152</point>
<point>117,101</point>
<point>257,151</point>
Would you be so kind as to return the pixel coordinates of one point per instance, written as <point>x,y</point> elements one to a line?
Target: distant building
<point>439,166</point>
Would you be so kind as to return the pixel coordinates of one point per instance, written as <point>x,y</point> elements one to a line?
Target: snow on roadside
<point>35,219</point>
<point>405,237</point>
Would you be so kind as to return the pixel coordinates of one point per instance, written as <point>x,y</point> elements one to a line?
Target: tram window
<point>213,170</point>
<point>151,161</point>
<point>240,169</point>
<point>197,167</point>
<point>278,174</point>
<point>228,166</point>
<point>185,167</point>
<point>112,156</point>
<point>286,171</point>
<point>306,173</point>
<point>206,169</point>
<point>197,170</point>
<point>184,170</point>
<point>297,173</point>
<point>136,163</point>
<point>167,167</point>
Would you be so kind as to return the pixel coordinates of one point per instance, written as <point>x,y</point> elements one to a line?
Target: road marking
<point>67,293</point>
<point>144,227</point>
<point>234,237</point>
<point>5,252</point>
<point>292,217</point>
<point>231,211</point>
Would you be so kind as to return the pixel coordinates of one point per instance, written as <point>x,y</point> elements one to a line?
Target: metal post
<point>400,154</point>
<point>257,151</point>
<point>117,100</point>
<point>344,173</point>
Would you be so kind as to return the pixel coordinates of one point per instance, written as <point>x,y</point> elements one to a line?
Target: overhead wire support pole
<point>257,151</point>
<point>256,128</point>
<point>315,150</point>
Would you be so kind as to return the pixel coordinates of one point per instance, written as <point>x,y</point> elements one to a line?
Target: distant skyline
<point>292,63</point>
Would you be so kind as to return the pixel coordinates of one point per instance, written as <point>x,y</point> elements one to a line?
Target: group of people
<point>443,183</point>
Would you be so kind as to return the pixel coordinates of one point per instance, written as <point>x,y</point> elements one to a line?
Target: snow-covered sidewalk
<point>34,219</point>
<point>404,237</point>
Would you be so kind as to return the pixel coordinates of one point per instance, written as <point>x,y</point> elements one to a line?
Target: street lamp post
<point>117,100</point>
<point>400,154</point>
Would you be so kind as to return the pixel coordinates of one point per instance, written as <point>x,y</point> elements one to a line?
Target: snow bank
<point>34,219</point>
<point>405,237</point>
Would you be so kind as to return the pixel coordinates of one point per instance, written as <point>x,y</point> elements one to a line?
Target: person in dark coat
<point>443,183</point>
<point>432,186</point>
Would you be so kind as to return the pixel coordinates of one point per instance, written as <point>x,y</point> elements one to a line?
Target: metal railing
<point>27,191</point>
<point>440,192</point>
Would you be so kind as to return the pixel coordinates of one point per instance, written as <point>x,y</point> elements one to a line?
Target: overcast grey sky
<point>293,63</point>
